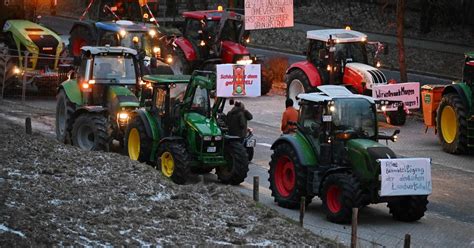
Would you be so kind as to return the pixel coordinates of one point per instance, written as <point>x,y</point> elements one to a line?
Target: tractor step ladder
<point>470,132</point>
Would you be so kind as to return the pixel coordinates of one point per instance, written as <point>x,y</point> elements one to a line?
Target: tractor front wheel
<point>451,123</point>
<point>180,64</point>
<point>288,178</point>
<point>397,118</point>
<point>408,208</point>
<point>64,121</point>
<point>340,193</point>
<point>296,83</point>
<point>235,171</point>
<point>174,162</point>
<point>90,132</point>
<point>137,143</point>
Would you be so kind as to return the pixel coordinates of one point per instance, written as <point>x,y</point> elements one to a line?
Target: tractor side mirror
<point>394,136</point>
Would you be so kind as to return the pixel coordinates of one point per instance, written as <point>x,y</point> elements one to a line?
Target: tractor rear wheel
<point>80,36</point>
<point>408,208</point>
<point>340,193</point>
<point>180,65</point>
<point>296,83</point>
<point>137,144</point>
<point>174,161</point>
<point>90,132</point>
<point>201,170</point>
<point>397,118</point>
<point>451,123</point>
<point>288,178</point>
<point>64,117</point>
<point>235,171</point>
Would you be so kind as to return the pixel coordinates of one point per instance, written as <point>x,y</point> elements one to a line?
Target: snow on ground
<point>52,194</point>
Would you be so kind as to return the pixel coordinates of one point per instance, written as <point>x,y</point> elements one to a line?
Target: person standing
<point>289,117</point>
<point>237,119</point>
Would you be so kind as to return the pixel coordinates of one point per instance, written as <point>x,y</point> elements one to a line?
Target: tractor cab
<point>468,71</point>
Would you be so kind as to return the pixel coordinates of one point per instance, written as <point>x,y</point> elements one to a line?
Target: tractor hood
<point>363,155</point>
<point>232,49</point>
<point>203,125</point>
<point>120,97</point>
<point>370,75</point>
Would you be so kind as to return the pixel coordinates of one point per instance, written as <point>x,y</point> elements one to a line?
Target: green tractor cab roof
<point>167,79</point>
<point>331,92</point>
<point>469,55</point>
<point>97,50</point>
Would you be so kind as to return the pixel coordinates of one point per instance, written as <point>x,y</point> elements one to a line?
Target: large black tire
<point>91,132</point>
<point>180,65</point>
<point>235,171</point>
<point>80,36</point>
<point>408,208</point>
<point>201,170</point>
<point>176,153</point>
<point>451,123</point>
<point>64,117</point>
<point>137,144</point>
<point>296,82</point>
<point>250,153</point>
<point>288,178</point>
<point>397,118</point>
<point>340,193</point>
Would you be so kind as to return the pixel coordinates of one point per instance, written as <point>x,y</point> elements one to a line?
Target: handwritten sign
<point>262,14</point>
<point>405,176</point>
<point>408,93</point>
<point>238,80</point>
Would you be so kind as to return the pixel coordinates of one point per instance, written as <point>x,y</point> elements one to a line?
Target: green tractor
<point>178,130</point>
<point>93,108</point>
<point>20,36</point>
<point>335,154</point>
<point>454,116</point>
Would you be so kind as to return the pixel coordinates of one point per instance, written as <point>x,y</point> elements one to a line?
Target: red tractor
<point>213,37</point>
<point>339,56</point>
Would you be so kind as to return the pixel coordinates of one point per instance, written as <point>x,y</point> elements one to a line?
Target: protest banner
<point>238,80</point>
<point>408,93</point>
<point>262,14</point>
<point>405,176</point>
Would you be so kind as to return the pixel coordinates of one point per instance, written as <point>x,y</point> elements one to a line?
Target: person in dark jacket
<point>237,119</point>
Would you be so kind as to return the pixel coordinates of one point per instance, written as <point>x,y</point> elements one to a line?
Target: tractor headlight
<point>383,108</point>
<point>218,138</point>
<point>122,33</point>
<point>245,60</point>
<point>135,39</point>
<point>207,138</point>
<point>122,118</point>
<point>16,70</point>
<point>152,33</point>
<point>169,59</point>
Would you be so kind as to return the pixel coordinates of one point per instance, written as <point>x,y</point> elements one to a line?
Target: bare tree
<point>401,5</point>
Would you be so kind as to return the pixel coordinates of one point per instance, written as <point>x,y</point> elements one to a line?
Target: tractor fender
<point>89,26</point>
<point>462,90</point>
<point>89,109</point>
<point>72,90</point>
<point>308,69</point>
<point>143,117</point>
<point>187,48</point>
<point>301,146</point>
<point>172,139</point>
<point>228,138</point>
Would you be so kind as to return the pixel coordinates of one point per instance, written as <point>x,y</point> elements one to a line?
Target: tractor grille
<point>378,77</point>
<point>48,46</point>
<point>203,145</point>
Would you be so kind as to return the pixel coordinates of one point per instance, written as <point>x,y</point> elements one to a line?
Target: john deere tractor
<point>122,23</point>
<point>20,36</point>
<point>335,154</point>
<point>452,110</point>
<point>93,108</point>
<point>178,130</point>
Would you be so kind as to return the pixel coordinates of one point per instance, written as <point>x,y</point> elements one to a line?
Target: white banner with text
<point>238,80</point>
<point>405,176</point>
<point>263,14</point>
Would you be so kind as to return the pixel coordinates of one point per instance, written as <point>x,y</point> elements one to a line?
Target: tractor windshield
<point>201,102</point>
<point>114,70</point>
<point>138,41</point>
<point>232,30</point>
<point>351,52</point>
<point>354,115</point>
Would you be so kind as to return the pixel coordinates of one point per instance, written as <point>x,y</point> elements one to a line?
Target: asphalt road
<point>449,221</point>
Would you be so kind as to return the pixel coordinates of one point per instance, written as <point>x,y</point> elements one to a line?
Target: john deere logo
<point>427,98</point>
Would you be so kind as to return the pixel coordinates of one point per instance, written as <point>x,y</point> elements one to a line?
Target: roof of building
<point>340,35</point>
